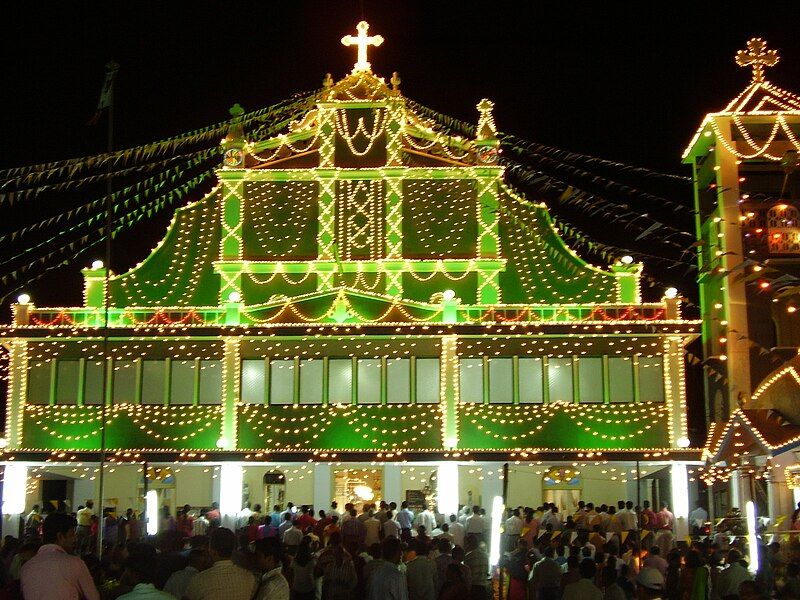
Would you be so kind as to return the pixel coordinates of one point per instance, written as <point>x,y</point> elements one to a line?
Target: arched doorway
<point>562,486</point>
<point>274,490</point>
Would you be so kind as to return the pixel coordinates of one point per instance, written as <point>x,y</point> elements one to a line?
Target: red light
<point>763,285</point>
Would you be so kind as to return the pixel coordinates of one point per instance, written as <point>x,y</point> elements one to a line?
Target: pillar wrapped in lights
<point>680,498</point>
<point>15,480</point>
<point>231,477</point>
<point>447,488</point>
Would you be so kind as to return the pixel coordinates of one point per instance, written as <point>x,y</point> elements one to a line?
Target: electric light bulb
<point>234,297</point>
<point>97,264</point>
<point>23,299</point>
<point>626,260</point>
<point>683,442</point>
<point>671,293</point>
<point>448,294</point>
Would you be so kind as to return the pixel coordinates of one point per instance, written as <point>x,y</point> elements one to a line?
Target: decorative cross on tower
<point>758,57</point>
<point>362,40</point>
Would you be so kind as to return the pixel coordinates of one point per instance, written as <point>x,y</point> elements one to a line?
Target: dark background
<point>624,81</point>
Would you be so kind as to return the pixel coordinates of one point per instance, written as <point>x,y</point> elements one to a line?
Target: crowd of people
<point>386,552</point>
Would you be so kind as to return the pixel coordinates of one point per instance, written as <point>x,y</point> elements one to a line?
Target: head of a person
<point>276,508</point>
<point>389,515</point>
<point>393,506</point>
<point>257,508</point>
<point>352,512</point>
<point>335,539</point>
<point>392,550</point>
<point>89,503</point>
<point>734,556</point>
<point>646,504</point>
<point>288,517</point>
<point>404,505</point>
<point>549,551</point>
<point>587,568</point>
<point>453,574</point>
<point>375,551</point>
<point>590,506</point>
<point>141,564</point>
<point>629,505</point>
<point>663,506</point>
<point>470,542</point>
<point>334,519</point>
<point>129,513</point>
<point>609,575</point>
<point>620,504</point>
<point>573,562</point>
<point>268,554</point>
<point>215,505</point>
<point>443,546</point>
<point>321,514</point>
<point>452,518</point>
<point>650,583</point>
<point>334,504</point>
<point>421,531</point>
<point>59,529</point>
<point>457,554</point>
<point>221,544</point>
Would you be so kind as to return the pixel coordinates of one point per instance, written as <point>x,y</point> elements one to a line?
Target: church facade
<point>360,308</point>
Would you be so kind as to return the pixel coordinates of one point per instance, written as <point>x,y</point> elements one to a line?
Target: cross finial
<point>486,127</point>
<point>362,40</point>
<point>758,57</point>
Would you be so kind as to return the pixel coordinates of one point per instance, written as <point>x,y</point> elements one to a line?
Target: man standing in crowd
<point>54,573</point>
<point>458,531</point>
<point>269,560</point>
<point>224,579</point>
<point>476,524</point>
<point>83,531</point>
<point>478,563</point>
<point>387,582</point>
<point>405,518</point>
<point>513,528</point>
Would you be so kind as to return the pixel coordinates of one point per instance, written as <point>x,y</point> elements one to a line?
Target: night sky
<point>624,81</point>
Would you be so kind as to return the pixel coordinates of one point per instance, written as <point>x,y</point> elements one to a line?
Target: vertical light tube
<point>497,520</point>
<point>752,538</point>
<point>15,482</point>
<point>447,488</point>
<point>151,506</point>
<point>680,498</point>
<point>230,493</point>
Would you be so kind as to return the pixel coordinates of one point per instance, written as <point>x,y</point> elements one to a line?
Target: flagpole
<point>111,70</point>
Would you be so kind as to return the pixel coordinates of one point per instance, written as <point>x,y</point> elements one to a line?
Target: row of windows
<point>531,380</point>
<point>179,382</point>
<point>341,381</point>
<point>497,380</point>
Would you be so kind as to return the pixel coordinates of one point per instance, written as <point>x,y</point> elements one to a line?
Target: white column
<point>491,486</point>
<point>15,482</point>
<point>230,493</point>
<point>392,487</point>
<point>680,499</point>
<point>322,486</point>
<point>736,490</point>
<point>447,488</point>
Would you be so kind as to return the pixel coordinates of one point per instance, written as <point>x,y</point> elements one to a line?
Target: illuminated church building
<point>360,309</point>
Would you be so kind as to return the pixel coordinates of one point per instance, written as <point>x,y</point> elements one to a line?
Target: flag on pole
<point>106,92</point>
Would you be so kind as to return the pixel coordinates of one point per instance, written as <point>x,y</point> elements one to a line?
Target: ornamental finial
<point>758,57</point>
<point>362,40</point>
<point>486,127</point>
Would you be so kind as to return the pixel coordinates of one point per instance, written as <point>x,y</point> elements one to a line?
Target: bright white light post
<point>151,507</point>
<point>752,538</point>
<point>230,493</point>
<point>497,520</point>
<point>447,489</point>
<point>680,498</point>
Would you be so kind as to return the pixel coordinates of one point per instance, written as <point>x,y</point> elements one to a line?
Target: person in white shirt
<point>292,538</point>
<point>390,527</point>
<point>458,531</point>
<point>698,518</point>
<point>476,524</point>
<point>627,517</point>
<point>513,529</point>
<point>372,528</point>
<point>426,519</point>
<point>244,516</point>
<point>333,511</point>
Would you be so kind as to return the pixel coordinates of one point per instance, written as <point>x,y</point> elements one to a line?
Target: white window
<point>39,382</point>
<point>620,376</point>
<point>340,381</point>
<point>311,381</point>
<point>471,380</point>
<point>369,380</point>
<point>281,381</point>
<point>67,382</point>
<point>253,381</point>
<point>124,390</point>
<point>95,378</point>
<point>651,379</point>
<point>427,380</point>
<point>501,380</point>
<point>559,377</point>
<point>210,382</point>
<point>530,380</point>
<point>590,372</point>
<point>182,383</point>
<point>398,374</point>
<point>154,373</point>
